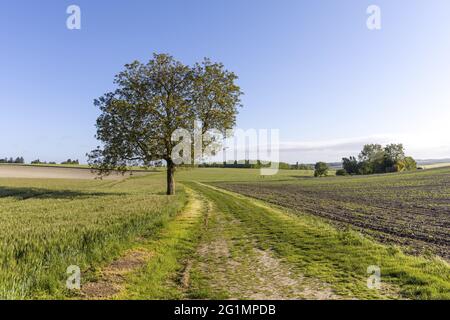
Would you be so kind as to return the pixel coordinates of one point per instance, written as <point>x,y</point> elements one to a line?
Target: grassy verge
<point>165,275</point>
<point>340,258</point>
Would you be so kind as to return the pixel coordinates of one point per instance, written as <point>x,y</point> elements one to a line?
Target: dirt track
<point>12,171</point>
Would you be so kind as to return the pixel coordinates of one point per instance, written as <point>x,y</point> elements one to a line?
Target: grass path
<point>227,246</point>
<point>230,264</point>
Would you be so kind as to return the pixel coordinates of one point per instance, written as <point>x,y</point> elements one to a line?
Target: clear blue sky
<point>310,68</point>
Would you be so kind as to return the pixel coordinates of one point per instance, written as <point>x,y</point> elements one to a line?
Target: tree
<point>406,164</point>
<point>70,161</point>
<point>370,152</point>
<point>365,167</point>
<point>376,159</point>
<point>321,169</point>
<point>350,165</point>
<point>372,159</point>
<point>410,163</point>
<point>393,154</point>
<point>341,172</point>
<point>153,100</point>
<point>305,167</point>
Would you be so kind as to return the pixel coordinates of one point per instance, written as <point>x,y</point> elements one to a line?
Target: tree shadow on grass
<point>309,177</point>
<point>21,193</point>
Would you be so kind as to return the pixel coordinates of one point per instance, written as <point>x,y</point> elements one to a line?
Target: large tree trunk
<point>170,177</point>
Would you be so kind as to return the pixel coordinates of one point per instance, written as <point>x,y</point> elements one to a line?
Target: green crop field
<point>47,225</point>
<point>228,233</point>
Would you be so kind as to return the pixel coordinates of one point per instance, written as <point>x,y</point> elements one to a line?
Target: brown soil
<point>13,171</point>
<point>112,277</point>
<point>415,214</point>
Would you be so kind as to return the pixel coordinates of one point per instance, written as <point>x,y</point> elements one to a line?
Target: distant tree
<point>321,169</point>
<point>393,155</point>
<point>70,162</point>
<point>284,166</point>
<point>406,164</point>
<point>11,160</point>
<point>369,152</point>
<point>341,172</point>
<point>152,101</point>
<point>376,159</point>
<point>411,164</point>
<point>19,160</point>
<point>372,159</point>
<point>365,167</point>
<point>350,165</point>
<point>394,152</point>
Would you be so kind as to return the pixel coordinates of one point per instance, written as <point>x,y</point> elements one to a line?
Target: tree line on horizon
<point>21,160</point>
<point>67,162</point>
<point>258,164</point>
<point>18,160</point>
<point>374,159</point>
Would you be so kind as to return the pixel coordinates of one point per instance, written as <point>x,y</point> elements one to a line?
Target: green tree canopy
<point>376,159</point>
<point>394,152</point>
<point>370,152</point>
<point>321,169</point>
<point>350,165</point>
<point>406,164</point>
<point>153,100</point>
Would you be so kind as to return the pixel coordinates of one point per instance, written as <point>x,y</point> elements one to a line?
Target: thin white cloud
<point>423,146</point>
